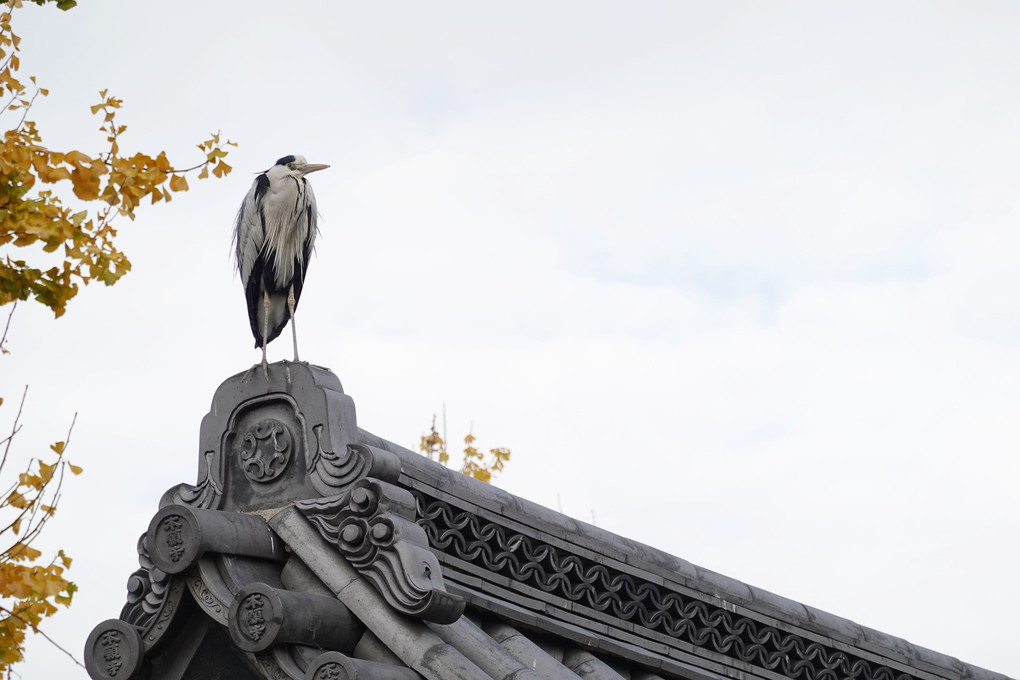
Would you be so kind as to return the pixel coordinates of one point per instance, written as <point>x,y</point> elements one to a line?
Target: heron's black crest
<point>286,160</point>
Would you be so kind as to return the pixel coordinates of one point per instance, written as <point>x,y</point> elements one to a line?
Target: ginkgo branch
<point>32,504</point>
<point>7,62</point>
<point>35,504</point>
<point>191,169</point>
<point>7,106</point>
<point>25,108</point>
<point>36,629</point>
<point>106,183</point>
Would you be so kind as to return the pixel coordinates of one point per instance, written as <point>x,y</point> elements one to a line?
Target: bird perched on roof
<point>273,238</point>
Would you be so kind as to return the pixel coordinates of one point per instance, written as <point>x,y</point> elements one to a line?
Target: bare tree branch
<point>14,428</point>
<point>3,339</point>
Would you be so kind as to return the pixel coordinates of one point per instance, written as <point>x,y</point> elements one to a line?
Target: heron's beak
<point>311,167</point>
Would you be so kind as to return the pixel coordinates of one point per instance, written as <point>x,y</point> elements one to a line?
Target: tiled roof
<point>310,548</point>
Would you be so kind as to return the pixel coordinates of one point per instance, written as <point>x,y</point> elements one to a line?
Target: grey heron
<point>273,238</point>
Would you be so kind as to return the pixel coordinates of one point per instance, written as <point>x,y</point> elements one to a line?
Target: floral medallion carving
<point>265,450</point>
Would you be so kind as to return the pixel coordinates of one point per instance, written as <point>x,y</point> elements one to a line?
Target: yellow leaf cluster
<point>29,590</point>
<point>114,181</point>
<point>477,466</point>
<point>475,463</point>
<point>29,594</point>
<point>433,446</point>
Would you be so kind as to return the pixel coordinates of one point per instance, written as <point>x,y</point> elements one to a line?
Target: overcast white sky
<point>737,280</point>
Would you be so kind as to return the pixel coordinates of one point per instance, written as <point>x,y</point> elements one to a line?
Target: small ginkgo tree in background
<point>475,463</point>
<point>58,208</point>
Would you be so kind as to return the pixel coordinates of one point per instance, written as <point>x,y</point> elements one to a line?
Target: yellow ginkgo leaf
<point>178,183</point>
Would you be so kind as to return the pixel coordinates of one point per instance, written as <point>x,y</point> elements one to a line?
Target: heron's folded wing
<point>250,229</point>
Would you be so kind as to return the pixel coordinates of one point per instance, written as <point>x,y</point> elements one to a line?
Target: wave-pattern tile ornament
<point>334,472</point>
<point>373,526</point>
<point>154,597</point>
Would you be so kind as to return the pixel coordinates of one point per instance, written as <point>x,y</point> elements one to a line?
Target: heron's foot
<point>247,374</point>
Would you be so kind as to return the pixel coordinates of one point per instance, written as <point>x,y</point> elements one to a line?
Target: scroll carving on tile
<point>334,472</point>
<point>206,494</point>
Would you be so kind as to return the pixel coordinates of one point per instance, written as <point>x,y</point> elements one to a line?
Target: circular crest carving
<point>265,450</point>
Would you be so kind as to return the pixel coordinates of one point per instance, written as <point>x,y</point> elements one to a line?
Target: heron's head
<point>297,166</point>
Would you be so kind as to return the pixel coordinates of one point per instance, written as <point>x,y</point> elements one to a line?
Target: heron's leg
<point>265,331</point>
<point>291,304</point>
